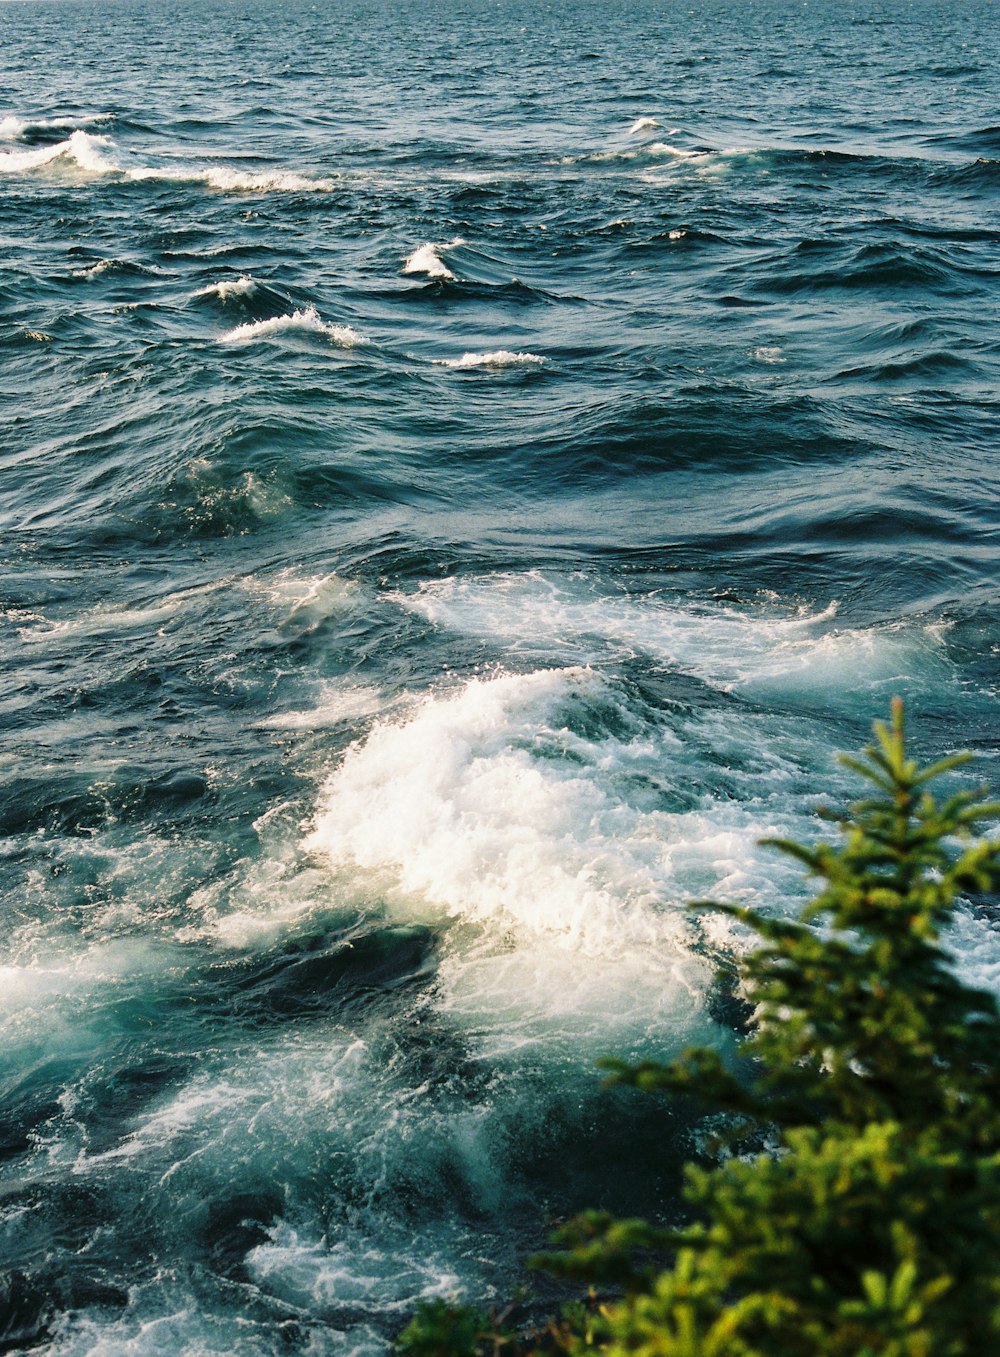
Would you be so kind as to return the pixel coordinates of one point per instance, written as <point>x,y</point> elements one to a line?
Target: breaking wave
<point>94,154</point>
<point>307,321</point>
<point>244,286</point>
<point>499,358</point>
<point>427,260</point>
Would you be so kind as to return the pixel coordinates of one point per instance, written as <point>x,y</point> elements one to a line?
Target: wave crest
<point>13,128</point>
<point>242,286</point>
<point>96,155</point>
<point>89,152</point>
<point>499,358</point>
<point>307,320</point>
<point>426,259</point>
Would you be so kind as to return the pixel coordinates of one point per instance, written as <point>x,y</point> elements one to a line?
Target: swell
<point>882,266</point>
<point>727,430</point>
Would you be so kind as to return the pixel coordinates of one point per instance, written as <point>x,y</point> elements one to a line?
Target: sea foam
<point>427,260</point>
<point>89,152</point>
<point>505,813</point>
<point>229,287</point>
<point>761,645</point>
<point>307,320</point>
<point>96,155</point>
<point>499,358</point>
<point>232,181</point>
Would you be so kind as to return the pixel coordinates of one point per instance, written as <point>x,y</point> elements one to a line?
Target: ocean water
<point>466,469</point>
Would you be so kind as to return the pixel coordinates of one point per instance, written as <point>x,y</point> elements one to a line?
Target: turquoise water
<point>465,473</point>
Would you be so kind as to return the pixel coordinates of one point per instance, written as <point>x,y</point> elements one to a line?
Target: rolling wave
<point>306,321</point>
<point>498,358</point>
<point>426,259</point>
<point>97,155</point>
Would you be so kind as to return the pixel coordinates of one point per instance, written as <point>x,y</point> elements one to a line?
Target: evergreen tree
<point>859,1215</point>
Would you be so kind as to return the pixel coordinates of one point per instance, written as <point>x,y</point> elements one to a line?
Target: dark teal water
<point>465,471</point>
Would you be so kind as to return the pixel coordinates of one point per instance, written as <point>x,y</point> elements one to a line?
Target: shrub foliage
<point>856,1210</point>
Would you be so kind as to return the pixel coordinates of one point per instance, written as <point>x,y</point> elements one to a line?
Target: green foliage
<point>870,1223</point>
<point>440,1329</point>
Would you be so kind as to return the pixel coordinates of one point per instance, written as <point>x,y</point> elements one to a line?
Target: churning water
<point>466,468</point>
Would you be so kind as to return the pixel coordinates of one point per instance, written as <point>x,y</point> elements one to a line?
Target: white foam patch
<point>228,180</point>
<point>308,598</point>
<point>91,154</point>
<point>229,287</point>
<point>389,1276</point>
<point>427,260</point>
<point>499,358</point>
<point>37,983</point>
<point>301,1110</point>
<point>511,999</point>
<point>768,353</point>
<point>656,150</point>
<point>760,644</point>
<point>974,944</point>
<point>662,148</point>
<point>335,705</point>
<point>108,620</point>
<point>58,1003</point>
<point>500,813</point>
<point>95,155</point>
<point>163,1319</point>
<point>305,321</point>
<point>95,270</point>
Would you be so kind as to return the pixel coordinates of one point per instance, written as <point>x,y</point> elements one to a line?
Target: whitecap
<point>233,181</point>
<point>307,320</point>
<point>655,150</point>
<point>229,287</point>
<point>503,814</point>
<point>499,358</point>
<point>96,155</point>
<point>15,129</point>
<point>88,152</point>
<point>758,645</point>
<point>427,260</point>
<point>663,148</point>
<point>95,270</point>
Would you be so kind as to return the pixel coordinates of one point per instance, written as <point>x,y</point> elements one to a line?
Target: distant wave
<point>22,129</point>
<point>307,320</point>
<point>98,267</point>
<point>653,150</point>
<point>718,159</point>
<point>229,287</point>
<point>234,181</point>
<point>471,267</point>
<point>88,152</point>
<point>499,358</point>
<point>427,260</point>
<point>95,270</point>
<point>96,155</point>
